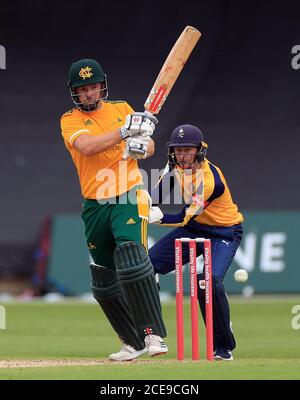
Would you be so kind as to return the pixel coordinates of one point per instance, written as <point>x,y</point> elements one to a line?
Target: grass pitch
<point>72,341</point>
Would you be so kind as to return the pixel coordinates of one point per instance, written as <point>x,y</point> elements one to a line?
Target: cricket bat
<point>170,71</point>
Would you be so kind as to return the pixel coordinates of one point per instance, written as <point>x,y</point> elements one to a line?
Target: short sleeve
<point>72,126</point>
<point>128,108</point>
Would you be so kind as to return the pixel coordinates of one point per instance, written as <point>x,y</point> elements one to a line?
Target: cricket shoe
<point>127,353</point>
<point>155,345</point>
<point>222,354</point>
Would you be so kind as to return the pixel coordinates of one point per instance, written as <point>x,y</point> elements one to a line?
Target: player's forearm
<point>175,219</point>
<point>91,145</point>
<point>188,213</point>
<point>151,148</point>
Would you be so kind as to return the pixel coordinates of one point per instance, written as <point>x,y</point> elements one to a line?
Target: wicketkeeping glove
<point>155,215</point>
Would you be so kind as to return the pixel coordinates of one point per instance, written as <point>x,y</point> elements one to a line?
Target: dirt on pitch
<point>65,363</point>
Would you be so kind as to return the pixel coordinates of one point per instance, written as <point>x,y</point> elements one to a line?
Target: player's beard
<point>87,105</point>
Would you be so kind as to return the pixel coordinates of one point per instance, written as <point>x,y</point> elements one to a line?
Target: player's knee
<point>132,261</point>
<point>160,266</point>
<point>217,285</point>
<point>104,283</point>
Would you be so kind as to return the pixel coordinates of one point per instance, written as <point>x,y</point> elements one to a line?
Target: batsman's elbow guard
<point>155,215</point>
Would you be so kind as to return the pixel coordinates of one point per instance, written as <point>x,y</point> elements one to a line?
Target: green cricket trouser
<point>108,225</point>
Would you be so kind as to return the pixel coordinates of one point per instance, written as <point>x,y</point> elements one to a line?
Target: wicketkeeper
<point>208,212</point>
<point>115,210</point>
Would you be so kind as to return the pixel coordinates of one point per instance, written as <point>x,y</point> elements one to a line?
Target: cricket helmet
<point>186,136</point>
<point>85,72</point>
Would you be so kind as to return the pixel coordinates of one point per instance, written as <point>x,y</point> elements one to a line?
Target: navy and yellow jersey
<point>206,197</point>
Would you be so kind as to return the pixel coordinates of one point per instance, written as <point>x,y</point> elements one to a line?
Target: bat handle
<point>148,112</point>
<point>150,115</point>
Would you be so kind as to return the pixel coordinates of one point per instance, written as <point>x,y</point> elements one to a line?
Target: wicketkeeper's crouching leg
<point>224,340</point>
<point>109,294</point>
<point>136,275</point>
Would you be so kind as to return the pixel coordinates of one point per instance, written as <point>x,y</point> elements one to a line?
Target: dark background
<point>238,86</point>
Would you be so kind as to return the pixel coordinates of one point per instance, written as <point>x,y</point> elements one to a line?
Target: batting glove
<point>138,123</point>
<point>137,146</point>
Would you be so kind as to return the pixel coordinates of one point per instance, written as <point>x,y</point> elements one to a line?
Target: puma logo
<point>227,243</point>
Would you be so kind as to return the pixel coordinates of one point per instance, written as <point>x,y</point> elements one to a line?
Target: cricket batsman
<point>209,213</point>
<point>115,210</point>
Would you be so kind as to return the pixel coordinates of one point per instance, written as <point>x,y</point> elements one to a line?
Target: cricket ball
<point>241,275</point>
